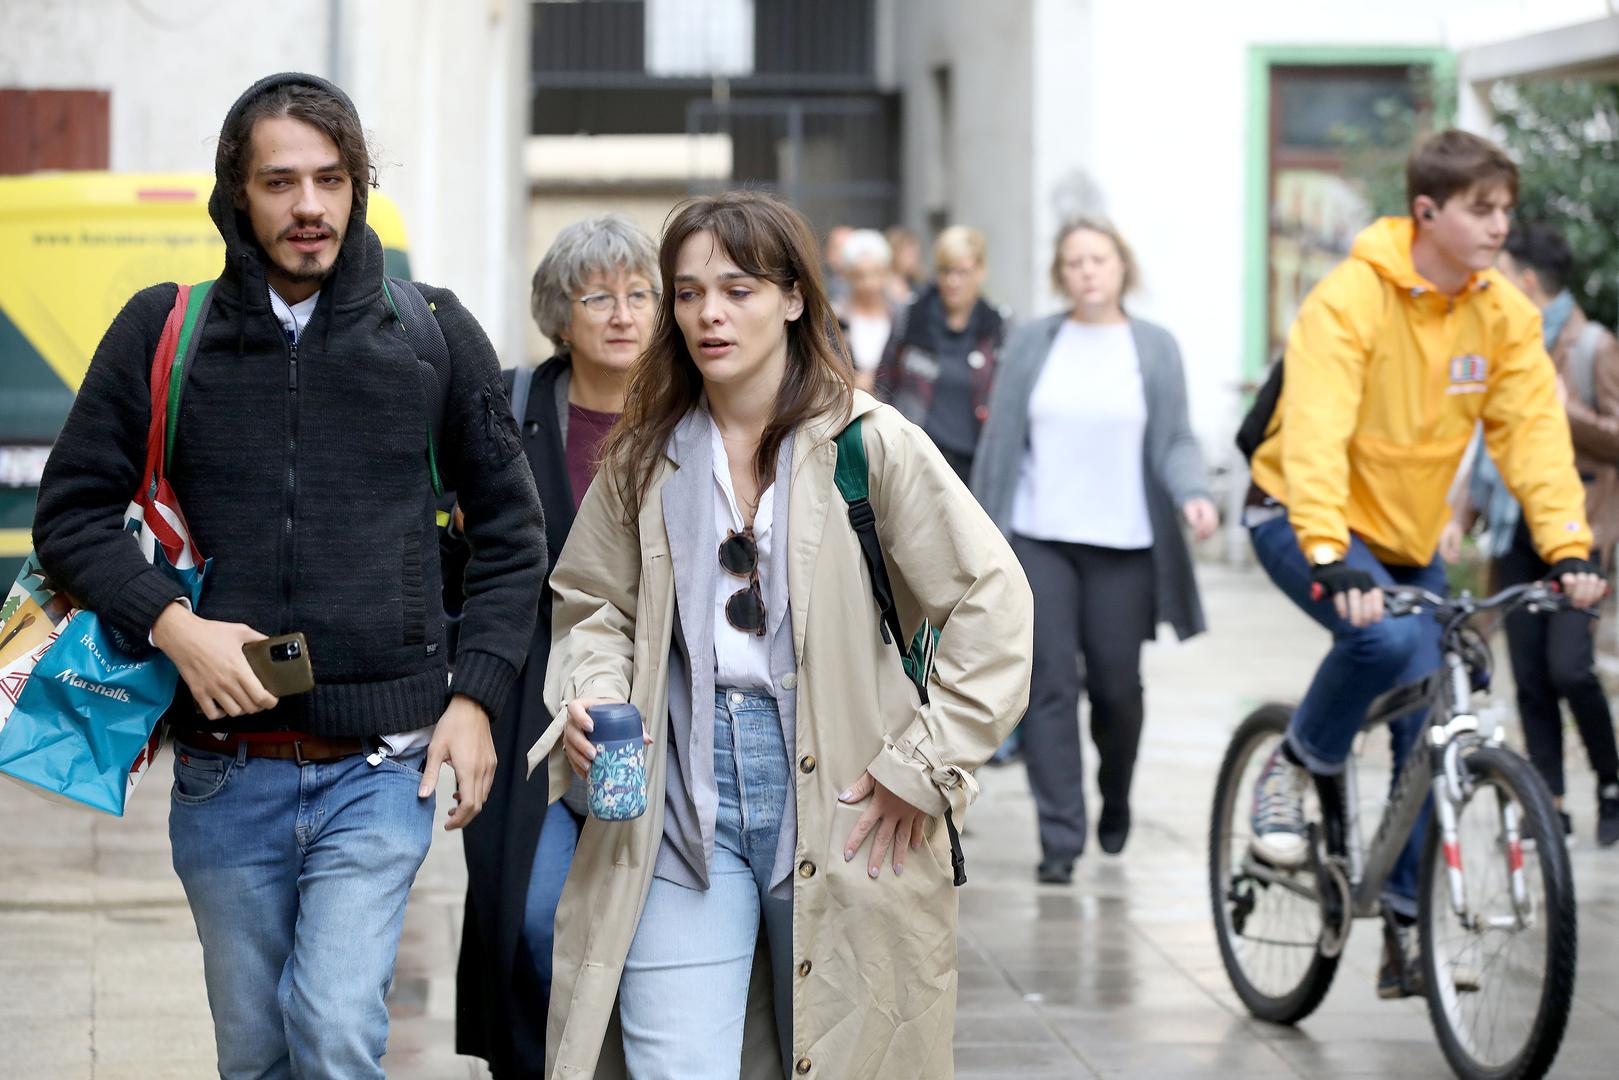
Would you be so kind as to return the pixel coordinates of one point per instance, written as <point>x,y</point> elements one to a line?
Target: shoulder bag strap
<point>522,386</point>
<point>195,309</point>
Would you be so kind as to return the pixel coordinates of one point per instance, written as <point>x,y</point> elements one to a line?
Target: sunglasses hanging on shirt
<point>739,556</point>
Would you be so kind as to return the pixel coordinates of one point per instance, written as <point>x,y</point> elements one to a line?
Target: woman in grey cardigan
<point>1089,465</point>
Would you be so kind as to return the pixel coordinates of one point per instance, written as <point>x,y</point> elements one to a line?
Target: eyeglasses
<point>739,555</point>
<point>602,304</point>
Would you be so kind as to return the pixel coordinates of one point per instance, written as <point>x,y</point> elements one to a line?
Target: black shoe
<point>1113,828</point>
<point>1608,815</point>
<point>1399,974</point>
<point>1055,872</point>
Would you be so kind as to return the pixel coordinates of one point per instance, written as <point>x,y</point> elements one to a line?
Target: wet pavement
<point>1115,976</point>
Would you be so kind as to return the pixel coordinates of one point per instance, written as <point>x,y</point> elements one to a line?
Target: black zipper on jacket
<point>292,485</point>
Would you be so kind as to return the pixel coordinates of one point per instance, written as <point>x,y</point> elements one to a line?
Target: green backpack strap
<point>854,484</point>
<point>198,302</point>
<point>853,477</point>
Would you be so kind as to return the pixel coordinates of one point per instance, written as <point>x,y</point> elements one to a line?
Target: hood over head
<point>244,255</point>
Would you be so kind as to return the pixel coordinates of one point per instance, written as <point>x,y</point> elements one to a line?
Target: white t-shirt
<point>294,317</point>
<point>868,336</point>
<point>741,660</point>
<point>1082,480</point>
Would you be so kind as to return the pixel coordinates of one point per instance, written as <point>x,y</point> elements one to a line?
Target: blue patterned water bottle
<point>618,771</point>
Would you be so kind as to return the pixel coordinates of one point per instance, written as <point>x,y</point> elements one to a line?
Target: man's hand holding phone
<point>209,656</point>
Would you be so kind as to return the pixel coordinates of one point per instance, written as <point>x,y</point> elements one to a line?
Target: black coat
<point>303,473</point>
<point>500,1010</point>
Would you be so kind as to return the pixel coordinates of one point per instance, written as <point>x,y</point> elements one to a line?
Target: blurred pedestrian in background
<point>837,286</point>
<point>594,295</point>
<point>867,315</point>
<point>905,277</point>
<point>939,368</point>
<point>1089,464</point>
<point>1553,655</point>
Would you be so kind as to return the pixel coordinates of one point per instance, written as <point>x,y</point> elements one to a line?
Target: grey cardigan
<point>1174,471</point>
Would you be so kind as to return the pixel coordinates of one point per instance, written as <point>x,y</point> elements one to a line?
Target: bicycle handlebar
<point>1538,596</point>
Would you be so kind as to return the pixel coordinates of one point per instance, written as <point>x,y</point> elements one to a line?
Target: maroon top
<point>586,430</point>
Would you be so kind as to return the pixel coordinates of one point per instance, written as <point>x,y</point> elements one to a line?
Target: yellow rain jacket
<point>1385,380</point>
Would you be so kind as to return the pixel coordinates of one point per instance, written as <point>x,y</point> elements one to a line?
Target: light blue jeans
<point>297,878</point>
<point>684,994</point>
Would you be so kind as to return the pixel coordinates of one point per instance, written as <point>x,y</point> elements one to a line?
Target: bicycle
<point>1496,907</point>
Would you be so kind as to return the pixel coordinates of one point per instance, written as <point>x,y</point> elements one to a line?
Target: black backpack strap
<point>426,337</point>
<point>1251,432</point>
<point>854,484</point>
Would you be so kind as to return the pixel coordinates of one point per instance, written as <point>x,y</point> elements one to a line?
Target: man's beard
<point>308,269</point>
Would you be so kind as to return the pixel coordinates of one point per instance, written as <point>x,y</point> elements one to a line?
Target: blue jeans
<point>1361,664</point>
<point>684,993</point>
<point>297,878</point>
<point>553,854</point>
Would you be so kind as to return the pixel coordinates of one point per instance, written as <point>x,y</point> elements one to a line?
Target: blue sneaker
<point>1280,837</point>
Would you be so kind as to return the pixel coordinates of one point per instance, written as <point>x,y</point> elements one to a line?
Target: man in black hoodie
<point>304,457</point>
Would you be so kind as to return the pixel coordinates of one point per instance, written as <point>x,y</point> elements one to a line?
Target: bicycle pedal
<point>1466,978</point>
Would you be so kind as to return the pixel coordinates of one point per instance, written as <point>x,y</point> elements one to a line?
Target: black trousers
<point>1093,603</point>
<point>961,463</point>
<point>1552,658</point>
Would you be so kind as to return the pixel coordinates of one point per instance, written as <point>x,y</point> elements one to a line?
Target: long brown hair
<point>766,239</point>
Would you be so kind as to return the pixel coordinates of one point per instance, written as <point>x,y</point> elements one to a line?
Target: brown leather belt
<point>305,749</point>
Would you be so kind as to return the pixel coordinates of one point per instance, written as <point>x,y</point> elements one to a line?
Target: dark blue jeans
<point>1362,663</point>
<point>553,854</point>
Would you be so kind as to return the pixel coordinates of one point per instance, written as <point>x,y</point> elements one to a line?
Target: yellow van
<point>74,246</point>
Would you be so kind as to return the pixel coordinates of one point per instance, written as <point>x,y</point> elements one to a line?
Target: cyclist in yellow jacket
<point>1394,359</point>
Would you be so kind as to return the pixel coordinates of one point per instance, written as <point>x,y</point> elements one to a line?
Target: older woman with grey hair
<point>594,296</point>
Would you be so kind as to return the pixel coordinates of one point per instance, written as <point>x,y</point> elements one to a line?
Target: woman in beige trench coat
<point>741,352</point>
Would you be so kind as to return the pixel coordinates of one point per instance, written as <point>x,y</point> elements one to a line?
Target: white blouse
<point>741,660</point>
<point>1083,477</point>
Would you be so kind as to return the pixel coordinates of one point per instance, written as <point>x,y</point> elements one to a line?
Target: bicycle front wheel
<point>1499,975</point>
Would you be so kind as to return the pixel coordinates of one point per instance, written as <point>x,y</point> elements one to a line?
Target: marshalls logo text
<point>117,693</point>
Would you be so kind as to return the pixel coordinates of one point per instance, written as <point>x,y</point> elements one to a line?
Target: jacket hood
<point>244,255</point>
<point>1385,245</point>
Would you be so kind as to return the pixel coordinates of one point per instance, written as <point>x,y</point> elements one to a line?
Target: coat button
<point>806,764</point>
<point>806,869</point>
<point>789,681</point>
<point>803,1067</point>
<point>804,968</point>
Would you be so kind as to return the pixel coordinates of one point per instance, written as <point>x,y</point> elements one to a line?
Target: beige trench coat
<point>874,990</point>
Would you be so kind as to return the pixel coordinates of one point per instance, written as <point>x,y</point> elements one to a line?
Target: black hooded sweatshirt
<point>303,475</point>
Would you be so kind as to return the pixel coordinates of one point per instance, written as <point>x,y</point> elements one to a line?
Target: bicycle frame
<point>1447,694</point>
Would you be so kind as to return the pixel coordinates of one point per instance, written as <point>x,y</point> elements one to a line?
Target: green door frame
<point>1261,58</point>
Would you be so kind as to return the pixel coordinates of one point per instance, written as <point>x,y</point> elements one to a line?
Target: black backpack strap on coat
<point>415,316</point>
<point>854,484</point>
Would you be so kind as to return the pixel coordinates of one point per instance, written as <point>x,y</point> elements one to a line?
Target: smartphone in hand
<point>281,664</point>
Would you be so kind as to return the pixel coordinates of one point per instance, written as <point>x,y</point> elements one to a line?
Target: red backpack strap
<point>162,369</point>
